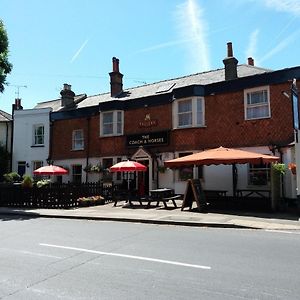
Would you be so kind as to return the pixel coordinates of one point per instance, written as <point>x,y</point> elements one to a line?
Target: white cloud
<point>251,50</point>
<point>289,6</point>
<point>280,46</point>
<point>79,51</point>
<point>192,27</point>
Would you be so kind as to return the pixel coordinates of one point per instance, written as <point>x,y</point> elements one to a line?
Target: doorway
<point>144,180</point>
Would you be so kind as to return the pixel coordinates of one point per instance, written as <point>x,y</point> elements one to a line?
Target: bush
<point>12,177</point>
<point>27,181</point>
<point>43,182</point>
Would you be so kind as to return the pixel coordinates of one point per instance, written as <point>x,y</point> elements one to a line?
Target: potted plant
<point>27,181</point>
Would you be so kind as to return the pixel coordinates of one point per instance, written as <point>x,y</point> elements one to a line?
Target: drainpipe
<point>87,148</point>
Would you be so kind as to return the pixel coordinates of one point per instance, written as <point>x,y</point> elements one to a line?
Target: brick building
<point>239,106</point>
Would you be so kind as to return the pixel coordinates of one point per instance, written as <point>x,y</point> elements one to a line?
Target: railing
<point>52,196</point>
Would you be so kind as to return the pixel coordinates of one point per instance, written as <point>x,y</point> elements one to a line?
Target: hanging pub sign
<point>148,139</point>
<point>294,93</point>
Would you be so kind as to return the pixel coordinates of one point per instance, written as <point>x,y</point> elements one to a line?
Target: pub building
<point>237,106</point>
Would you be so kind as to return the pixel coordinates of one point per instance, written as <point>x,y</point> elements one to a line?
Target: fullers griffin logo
<point>148,122</point>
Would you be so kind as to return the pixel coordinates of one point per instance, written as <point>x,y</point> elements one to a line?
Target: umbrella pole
<point>234,179</point>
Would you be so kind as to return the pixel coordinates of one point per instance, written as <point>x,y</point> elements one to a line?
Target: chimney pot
<point>250,61</point>
<point>229,49</point>
<point>115,64</point>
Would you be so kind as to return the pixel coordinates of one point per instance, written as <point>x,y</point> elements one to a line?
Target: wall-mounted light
<point>285,94</point>
<point>27,165</point>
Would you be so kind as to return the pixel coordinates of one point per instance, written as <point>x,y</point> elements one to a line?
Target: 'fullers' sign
<point>148,139</point>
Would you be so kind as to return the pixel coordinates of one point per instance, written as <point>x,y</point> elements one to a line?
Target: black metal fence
<point>52,196</point>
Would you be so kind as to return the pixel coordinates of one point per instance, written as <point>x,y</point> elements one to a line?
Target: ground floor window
<point>107,163</point>
<point>76,173</point>
<point>35,165</point>
<point>259,174</point>
<point>186,173</point>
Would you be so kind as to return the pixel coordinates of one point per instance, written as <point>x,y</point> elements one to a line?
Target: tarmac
<point>283,221</point>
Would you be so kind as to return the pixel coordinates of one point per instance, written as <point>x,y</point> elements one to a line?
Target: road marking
<point>283,231</point>
<point>129,256</point>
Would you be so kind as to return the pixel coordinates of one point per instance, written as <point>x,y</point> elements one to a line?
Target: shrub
<point>27,181</point>
<point>12,177</point>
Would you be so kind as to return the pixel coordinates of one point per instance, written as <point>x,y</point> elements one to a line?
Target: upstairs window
<point>111,123</point>
<point>257,103</point>
<point>38,135</point>
<point>189,113</point>
<point>77,140</point>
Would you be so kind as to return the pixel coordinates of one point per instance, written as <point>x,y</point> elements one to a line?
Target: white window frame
<point>195,122</point>
<point>76,141</point>
<point>36,136</point>
<point>246,105</point>
<point>117,130</point>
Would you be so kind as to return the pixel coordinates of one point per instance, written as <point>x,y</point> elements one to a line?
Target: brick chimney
<point>250,61</point>
<point>17,105</point>
<point>116,79</point>
<point>230,63</point>
<point>67,96</point>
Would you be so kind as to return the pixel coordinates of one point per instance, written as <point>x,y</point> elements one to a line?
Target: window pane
<point>259,174</point>
<point>78,140</point>
<point>185,119</point>
<point>76,173</point>
<point>108,129</point>
<point>199,112</point>
<point>185,106</point>
<point>108,117</point>
<point>39,135</point>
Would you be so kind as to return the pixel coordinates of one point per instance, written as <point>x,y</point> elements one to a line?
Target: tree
<point>4,161</point>
<point>5,65</point>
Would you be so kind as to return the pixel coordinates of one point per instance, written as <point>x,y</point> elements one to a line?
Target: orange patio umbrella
<point>221,156</point>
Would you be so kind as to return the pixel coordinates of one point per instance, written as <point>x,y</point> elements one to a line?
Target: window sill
<point>261,118</point>
<point>37,146</point>
<point>77,149</point>
<point>110,135</point>
<point>190,127</point>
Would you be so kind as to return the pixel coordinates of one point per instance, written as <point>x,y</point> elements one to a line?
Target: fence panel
<point>52,196</point>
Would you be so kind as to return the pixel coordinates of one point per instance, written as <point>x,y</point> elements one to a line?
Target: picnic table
<point>245,193</point>
<point>163,195</point>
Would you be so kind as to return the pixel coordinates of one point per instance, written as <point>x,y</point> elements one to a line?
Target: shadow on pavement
<point>17,216</point>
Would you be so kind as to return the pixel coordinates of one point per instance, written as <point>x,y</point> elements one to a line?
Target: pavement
<point>289,220</point>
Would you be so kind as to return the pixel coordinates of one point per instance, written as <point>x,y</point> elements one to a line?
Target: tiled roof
<point>5,117</point>
<point>56,104</point>
<point>157,88</point>
<point>167,86</point>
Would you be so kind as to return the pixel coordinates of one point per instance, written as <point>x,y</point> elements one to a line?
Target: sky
<point>73,41</point>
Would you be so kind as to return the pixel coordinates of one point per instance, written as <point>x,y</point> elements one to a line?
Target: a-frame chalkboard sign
<point>194,192</point>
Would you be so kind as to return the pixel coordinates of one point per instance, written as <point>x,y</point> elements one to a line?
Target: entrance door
<point>143,179</point>
<point>21,168</point>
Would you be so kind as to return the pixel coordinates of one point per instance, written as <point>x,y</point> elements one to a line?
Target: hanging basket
<point>292,167</point>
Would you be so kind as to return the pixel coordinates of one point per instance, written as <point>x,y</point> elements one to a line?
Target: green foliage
<point>93,168</point>
<point>279,168</point>
<point>43,182</point>
<point>12,177</point>
<point>5,65</point>
<point>4,161</point>
<point>27,181</point>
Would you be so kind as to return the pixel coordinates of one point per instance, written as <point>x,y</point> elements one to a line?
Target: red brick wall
<point>225,126</point>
